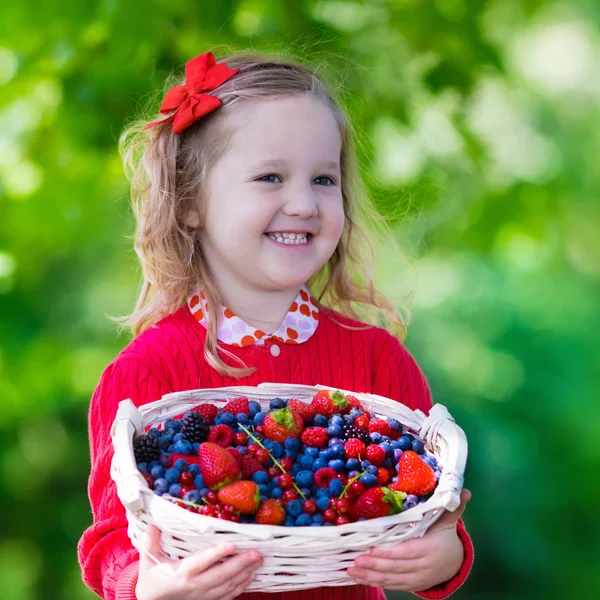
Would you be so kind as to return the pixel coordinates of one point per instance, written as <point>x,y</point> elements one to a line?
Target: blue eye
<point>325,177</point>
<point>264,177</point>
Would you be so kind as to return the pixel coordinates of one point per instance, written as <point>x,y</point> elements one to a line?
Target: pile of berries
<point>320,463</point>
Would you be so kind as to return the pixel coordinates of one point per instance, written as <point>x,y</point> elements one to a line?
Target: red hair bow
<point>202,74</point>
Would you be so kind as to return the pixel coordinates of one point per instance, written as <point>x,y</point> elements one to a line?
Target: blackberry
<point>351,431</point>
<point>195,427</point>
<point>146,448</point>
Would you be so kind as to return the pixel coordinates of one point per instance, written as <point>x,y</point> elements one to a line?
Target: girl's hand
<point>416,564</point>
<point>195,577</point>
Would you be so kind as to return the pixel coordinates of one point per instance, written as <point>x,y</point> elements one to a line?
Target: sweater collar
<point>298,326</point>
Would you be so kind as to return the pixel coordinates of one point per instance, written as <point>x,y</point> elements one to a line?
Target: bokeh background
<point>480,134</point>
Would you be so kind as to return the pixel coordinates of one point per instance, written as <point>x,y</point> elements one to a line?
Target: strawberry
<point>208,411</point>
<point>236,406</point>
<point>243,495</point>
<point>250,465</point>
<point>306,411</point>
<point>353,402</point>
<point>327,402</point>
<point>270,512</point>
<point>283,423</point>
<point>221,435</point>
<point>415,476</point>
<point>380,426</point>
<point>315,436</point>
<point>217,466</point>
<point>355,448</point>
<point>377,502</point>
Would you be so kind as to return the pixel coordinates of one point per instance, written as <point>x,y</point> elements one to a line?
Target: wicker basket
<point>295,558</point>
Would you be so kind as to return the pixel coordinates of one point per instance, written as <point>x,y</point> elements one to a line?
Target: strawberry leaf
<point>339,399</point>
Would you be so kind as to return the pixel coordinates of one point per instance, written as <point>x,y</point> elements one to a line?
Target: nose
<point>301,201</point>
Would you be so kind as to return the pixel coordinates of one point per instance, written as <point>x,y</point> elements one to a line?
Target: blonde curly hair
<point>167,174</point>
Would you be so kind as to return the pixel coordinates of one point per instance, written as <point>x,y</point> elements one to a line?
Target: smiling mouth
<point>291,239</point>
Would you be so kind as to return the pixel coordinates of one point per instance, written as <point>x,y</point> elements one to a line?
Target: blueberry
<point>306,461</point>
<point>276,449</point>
<point>259,418</point>
<point>312,451</point>
<point>386,447</point>
<point>404,442</point>
<point>171,449</point>
<point>397,455</point>
<point>172,475</point>
<point>177,437</point>
<point>154,433</point>
<point>352,474</point>
<point>277,492</point>
<point>198,481</point>
<point>409,503</point>
<point>336,420</point>
<point>354,412</point>
<point>304,520</point>
<point>142,467</point>
<point>348,419</point>
<point>217,420</point>
<point>289,522</point>
<point>294,507</point>
<point>291,453</point>
<point>195,446</point>
<point>175,490</point>
<point>295,469</point>
<point>337,450</point>
<point>317,519</point>
<point>241,449</point>
<point>336,487</point>
<point>337,464</point>
<point>334,431</point>
<point>322,502</point>
<point>307,492</point>
<point>253,407</point>
<point>183,447</point>
<point>387,463</point>
<point>365,463</point>
<point>353,464</point>
<point>430,460</point>
<point>410,436</point>
<point>394,445</point>
<point>264,490</point>
<point>157,472</point>
<point>368,480</point>
<point>386,439</point>
<point>161,486</point>
<point>204,492</point>
<point>152,464</point>
<point>325,454</point>
<point>165,442</point>
<point>260,477</point>
<point>174,424</point>
<point>181,464</point>
<point>372,469</point>
<point>319,464</point>
<point>324,493</point>
<point>320,421</point>
<point>417,446</point>
<point>395,424</point>
<point>227,418</point>
<point>375,437</point>
<point>334,440</point>
<point>242,418</point>
<point>304,478</point>
<point>292,444</point>
<point>192,496</point>
<point>277,403</point>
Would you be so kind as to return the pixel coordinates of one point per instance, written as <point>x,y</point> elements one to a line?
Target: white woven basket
<point>295,558</point>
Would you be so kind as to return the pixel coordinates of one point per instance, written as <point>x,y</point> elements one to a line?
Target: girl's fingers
<point>198,563</point>
<point>151,542</point>
<point>236,585</point>
<point>385,565</point>
<point>222,573</point>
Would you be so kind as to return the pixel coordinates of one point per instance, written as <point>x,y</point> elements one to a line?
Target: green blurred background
<point>480,127</point>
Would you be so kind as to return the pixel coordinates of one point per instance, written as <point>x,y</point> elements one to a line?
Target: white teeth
<point>288,238</point>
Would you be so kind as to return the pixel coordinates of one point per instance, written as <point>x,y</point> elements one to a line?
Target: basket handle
<point>123,467</point>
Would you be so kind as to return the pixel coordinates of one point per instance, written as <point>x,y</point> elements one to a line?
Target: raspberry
<point>249,465</point>
<point>236,454</point>
<point>354,448</point>
<point>376,454</point>
<point>239,405</point>
<point>208,411</point>
<point>315,436</point>
<point>306,411</point>
<point>221,435</point>
<point>380,426</point>
<point>323,476</point>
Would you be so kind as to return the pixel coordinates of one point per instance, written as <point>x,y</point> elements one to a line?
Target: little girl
<point>246,196</point>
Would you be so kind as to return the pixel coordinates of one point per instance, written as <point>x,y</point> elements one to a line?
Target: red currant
<point>212,497</point>
<point>252,448</point>
<point>235,518</point>
<point>289,495</point>
<point>329,515</point>
<point>186,479</point>
<point>240,438</point>
<point>342,520</point>
<point>262,455</point>
<point>309,506</point>
<point>287,462</point>
<point>273,471</point>
<point>342,505</point>
<point>207,510</point>
<point>362,422</point>
<point>382,476</point>
<point>260,429</point>
<point>285,481</point>
<point>358,487</point>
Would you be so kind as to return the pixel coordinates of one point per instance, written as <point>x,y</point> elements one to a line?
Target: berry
<point>415,476</point>
<point>183,447</point>
<point>240,438</point>
<point>417,446</point>
<point>368,480</point>
<point>289,495</point>
<point>294,507</point>
<point>186,479</point>
<point>221,435</point>
<point>353,402</point>
<point>195,427</point>
<point>342,505</point>
<point>377,502</point>
<point>303,520</point>
<point>410,502</point>
<point>350,431</point>
<point>262,455</point>
<point>315,436</point>
<point>285,481</point>
<point>236,454</point>
<point>243,496</point>
<point>287,463</point>
<point>375,454</point>
<point>330,515</point>
<point>310,507</point>
<point>253,408</point>
<point>306,411</point>
<point>283,423</point>
<point>362,422</point>
<point>217,466</point>
<point>336,487</point>
<point>355,448</point>
<point>161,486</point>
<point>327,402</point>
<point>404,442</point>
<point>357,487</point>
<point>277,403</point>
<point>382,476</point>
<point>323,477</point>
<point>337,464</point>
<point>334,430</point>
<point>269,512</point>
<point>146,448</point>
<point>379,426</point>
<point>304,478</point>
<point>207,411</point>
<point>238,405</point>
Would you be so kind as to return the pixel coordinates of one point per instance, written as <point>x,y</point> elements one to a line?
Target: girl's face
<point>279,180</point>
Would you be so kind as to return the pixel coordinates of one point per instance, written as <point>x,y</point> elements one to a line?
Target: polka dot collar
<point>298,326</point>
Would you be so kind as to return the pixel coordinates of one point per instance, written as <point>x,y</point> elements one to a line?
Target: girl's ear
<point>193,219</point>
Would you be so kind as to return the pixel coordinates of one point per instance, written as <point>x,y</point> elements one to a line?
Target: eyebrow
<point>278,162</point>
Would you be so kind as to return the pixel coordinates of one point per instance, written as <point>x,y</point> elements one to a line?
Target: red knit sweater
<point>168,358</point>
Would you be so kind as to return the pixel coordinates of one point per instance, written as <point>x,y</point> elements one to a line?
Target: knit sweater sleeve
<point>107,558</point>
<point>399,377</point>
